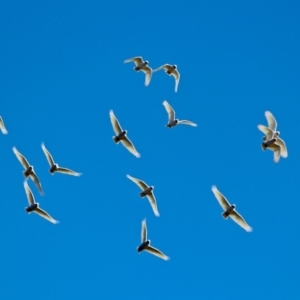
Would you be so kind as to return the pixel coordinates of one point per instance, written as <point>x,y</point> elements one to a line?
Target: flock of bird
<point>271,141</point>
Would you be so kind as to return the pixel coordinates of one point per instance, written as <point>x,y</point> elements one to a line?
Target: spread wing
<point>21,158</point>
<point>272,124</point>
<point>176,75</point>
<point>170,111</point>
<point>148,71</point>
<point>137,60</point>
<point>186,122</point>
<point>144,231</point>
<point>267,131</point>
<point>48,155</point>
<point>277,150</point>
<point>45,215</point>
<point>221,199</point>
<point>156,252</point>
<point>67,171</point>
<point>37,182</point>
<point>240,221</point>
<point>142,185</point>
<point>29,194</point>
<point>165,67</point>
<point>2,126</point>
<point>283,149</point>
<point>128,144</point>
<point>153,203</point>
<point>115,123</point>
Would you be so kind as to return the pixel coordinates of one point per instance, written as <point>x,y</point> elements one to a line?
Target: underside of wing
<point>144,231</point>
<point>240,221</point>
<point>137,60</point>
<point>48,155</point>
<point>220,197</point>
<point>128,144</point>
<point>170,111</point>
<point>156,252</point>
<point>272,124</point>
<point>153,203</point>
<point>148,72</point>
<point>186,122</point>
<point>28,193</point>
<point>21,158</point>
<point>37,182</point>
<point>283,149</point>
<point>141,184</point>
<point>67,171</point>
<point>2,126</point>
<point>115,123</point>
<point>45,215</point>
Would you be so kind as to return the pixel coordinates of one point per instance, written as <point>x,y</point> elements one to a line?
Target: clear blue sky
<point>62,71</point>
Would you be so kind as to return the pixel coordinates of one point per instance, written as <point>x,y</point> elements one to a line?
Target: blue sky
<point>62,71</point>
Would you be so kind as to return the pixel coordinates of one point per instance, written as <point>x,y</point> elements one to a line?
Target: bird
<point>29,171</point>
<point>172,121</point>
<point>121,135</point>
<point>229,210</point>
<point>34,206</point>
<point>145,244</point>
<point>2,126</point>
<point>271,145</point>
<point>171,71</point>
<point>272,136</point>
<point>147,191</point>
<point>141,65</point>
<point>55,167</point>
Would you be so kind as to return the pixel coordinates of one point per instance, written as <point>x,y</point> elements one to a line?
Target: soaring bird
<point>121,135</point>
<point>145,244</point>
<point>2,126</point>
<point>171,71</point>
<point>55,167</point>
<point>229,210</point>
<point>29,171</point>
<point>34,206</point>
<point>141,65</point>
<point>172,121</point>
<point>147,191</point>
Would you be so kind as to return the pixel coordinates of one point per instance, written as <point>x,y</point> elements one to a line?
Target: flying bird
<point>55,167</point>
<point>29,171</point>
<point>145,244</point>
<point>271,145</point>
<point>229,210</point>
<point>141,65</point>
<point>121,135</point>
<point>147,191</point>
<point>2,126</point>
<point>172,121</point>
<point>34,206</point>
<point>171,71</point>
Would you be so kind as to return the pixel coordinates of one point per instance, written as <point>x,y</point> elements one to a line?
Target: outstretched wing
<point>37,182</point>
<point>236,217</point>
<point>283,149</point>
<point>176,75</point>
<point>148,71</point>
<point>267,131</point>
<point>137,60</point>
<point>128,144</point>
<point>142,185</point>
<point>2,126</point>
<point>144,231</point>
<point>277,150</point>
<point>156,252</point>
<point>186,122</point>
<point>221,199</point>
<point>45,215</point>
<point>29,194</point>
<point>115,123</point>
<point>272,124</point>
<point>48,155</point>
<point>153,203</point>
<point>165,66</point>
<point>21,158</point>
<point>170,111</point>
<point>67,171</point>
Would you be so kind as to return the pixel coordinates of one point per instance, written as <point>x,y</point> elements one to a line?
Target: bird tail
<point>225,215</point>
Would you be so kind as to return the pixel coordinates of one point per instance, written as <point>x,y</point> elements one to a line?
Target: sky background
<point>62,71</point>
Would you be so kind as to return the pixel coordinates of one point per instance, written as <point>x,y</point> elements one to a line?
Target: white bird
<point>171,71</point>
<point>272,136</point>
<point>229,210</point>
<point>121,135</point>
<point>55,167</point>
<point>147,191</point>
<point>145,244</point>
<point>34,206</point>
<point>141,65</point>
<point>29,171</point>
<point>172,121</point>
<point>2,126</point>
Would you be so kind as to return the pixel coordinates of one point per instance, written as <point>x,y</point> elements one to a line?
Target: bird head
<point>175,67</point>
<point>146,62</point>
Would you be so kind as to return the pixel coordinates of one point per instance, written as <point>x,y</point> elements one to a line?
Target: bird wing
<point>166,66</point>
<point>67,171</point>
<point>142,185</point>
<point>37,182</point>
<point>128,144</point>
<point>137,60</point>
<point>221,199</point>
<point>176,75</point>
<point>144,231</point>
<point>115,123</point>
<point>170,111</point>
<point>277,150</point>
<point>2,126</point>
<point>272,124</point>
<point>29,194</point>
<point>186,122</point>
<point>267,131</point>
<point>153,203</point>
<point>45,215</point>
<point>237,218</point>
<point>148,71</point>
<point>156,252</point>
<point>282,145</point>
<point>21,158</point>
<point>48,155</point>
